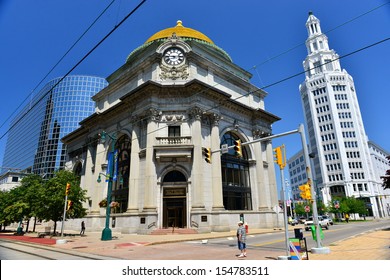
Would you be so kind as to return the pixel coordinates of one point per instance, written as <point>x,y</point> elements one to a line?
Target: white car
<point>328,218</point>
<point>323,223</point>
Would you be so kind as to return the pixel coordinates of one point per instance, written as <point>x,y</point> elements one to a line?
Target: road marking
<point>268,243</point>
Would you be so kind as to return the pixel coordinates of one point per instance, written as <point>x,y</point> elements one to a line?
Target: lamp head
<point>102,137</point>
<point>99,179</point>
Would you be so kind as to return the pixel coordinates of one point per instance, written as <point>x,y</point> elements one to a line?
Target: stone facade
<point>173,97</point>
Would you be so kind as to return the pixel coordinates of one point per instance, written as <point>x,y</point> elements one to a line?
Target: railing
<point>183,140</point>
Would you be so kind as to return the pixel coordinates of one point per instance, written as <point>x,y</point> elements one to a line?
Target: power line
<point>326,32</point>
<point>267,86</point>
<point>75,66</point>
<point>59,61</point>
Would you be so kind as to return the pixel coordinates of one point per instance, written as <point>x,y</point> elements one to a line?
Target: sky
<point>266,38</point>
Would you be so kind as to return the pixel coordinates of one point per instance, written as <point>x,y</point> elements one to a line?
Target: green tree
<point>32,186</point>
<point>5,201</point>
<point>51,204</point>
<point>349,205</point>
<point>300,209</point>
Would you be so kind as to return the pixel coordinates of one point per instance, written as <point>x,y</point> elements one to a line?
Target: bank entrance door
<point>174,208</point>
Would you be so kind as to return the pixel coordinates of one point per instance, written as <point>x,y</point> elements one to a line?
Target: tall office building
<point>337,139</point>
<point>33,141</point>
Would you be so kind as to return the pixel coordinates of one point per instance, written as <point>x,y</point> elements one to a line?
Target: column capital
<point>260,133</point>
<point>215,118</point>
<point>152,114</point>
<point>196,112</point>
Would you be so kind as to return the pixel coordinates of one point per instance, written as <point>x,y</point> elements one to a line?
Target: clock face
<point>174,56</point>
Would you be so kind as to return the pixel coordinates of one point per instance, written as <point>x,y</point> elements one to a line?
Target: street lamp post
<point>106,233</point>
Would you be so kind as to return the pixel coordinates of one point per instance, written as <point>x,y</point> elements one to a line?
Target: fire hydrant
<point>246,228</point>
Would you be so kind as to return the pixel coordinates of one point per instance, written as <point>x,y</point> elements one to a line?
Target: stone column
<point>216,165</point>
<point>197,175</point>
<point>90,179</point>
<point>150,168</point>
<point>262,190</point>
<point>134,170</point>
<point>100,167</point>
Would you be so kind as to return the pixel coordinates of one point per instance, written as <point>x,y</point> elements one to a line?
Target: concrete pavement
<point>373,245</point>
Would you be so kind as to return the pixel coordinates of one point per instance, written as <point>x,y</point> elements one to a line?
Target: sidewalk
<point>373,245</point>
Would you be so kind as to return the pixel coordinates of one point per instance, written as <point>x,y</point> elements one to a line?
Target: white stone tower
<point>337,138</point>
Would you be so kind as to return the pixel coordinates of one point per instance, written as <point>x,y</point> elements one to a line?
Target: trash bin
<point>298,233</point>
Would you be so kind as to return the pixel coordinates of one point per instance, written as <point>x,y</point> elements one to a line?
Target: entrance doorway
<point>174,200</point>
<point>174,212</point>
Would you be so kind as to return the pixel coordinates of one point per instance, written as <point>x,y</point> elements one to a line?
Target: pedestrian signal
<point>237,148</point>
<point>207,154</point>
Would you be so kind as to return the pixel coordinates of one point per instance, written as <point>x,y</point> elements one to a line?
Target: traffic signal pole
<point>319,249</point>
<point>301,131</point>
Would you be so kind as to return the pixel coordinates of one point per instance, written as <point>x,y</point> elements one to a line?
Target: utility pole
<point>280,159</point>
<point>319,249</point>
<point>301,131</point>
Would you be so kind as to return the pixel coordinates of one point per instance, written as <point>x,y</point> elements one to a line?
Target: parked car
<point>302,220</point>
<point>292,221</point>
<point>328,218</point>
<point>323,223</point>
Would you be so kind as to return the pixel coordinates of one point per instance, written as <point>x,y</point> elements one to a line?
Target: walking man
<point>241,239</point>
<point>82,228</point>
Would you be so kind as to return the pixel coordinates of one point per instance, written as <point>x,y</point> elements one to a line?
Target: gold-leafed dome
<point>180,31</point>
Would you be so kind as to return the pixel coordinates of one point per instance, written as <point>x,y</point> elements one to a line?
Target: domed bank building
<point>176,94</point>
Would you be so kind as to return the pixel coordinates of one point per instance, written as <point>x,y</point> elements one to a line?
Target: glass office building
<point>34,138</point>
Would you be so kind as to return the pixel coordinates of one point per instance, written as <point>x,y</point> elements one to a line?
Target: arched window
<point>174,176</point>
<point>235,177</point>
<point>120,188</point>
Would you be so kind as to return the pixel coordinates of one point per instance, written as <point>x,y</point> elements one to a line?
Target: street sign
<point>224,148</point>
<point>307,208</point>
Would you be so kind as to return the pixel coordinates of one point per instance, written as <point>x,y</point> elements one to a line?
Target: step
<point>165,231</point>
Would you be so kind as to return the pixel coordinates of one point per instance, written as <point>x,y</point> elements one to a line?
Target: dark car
<point>302,220</point>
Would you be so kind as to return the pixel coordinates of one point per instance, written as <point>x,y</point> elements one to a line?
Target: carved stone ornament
<point>174,73</point>
<point>195,113</point>
<point>260,133</point>
<point>172,118</point>
<point>153,114</point>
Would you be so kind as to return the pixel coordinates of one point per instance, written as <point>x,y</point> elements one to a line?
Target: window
<point>174,131</point>
<point>235,177</point>
<point>120,187</point>
<point>328,65</point>
<point>317,67</point>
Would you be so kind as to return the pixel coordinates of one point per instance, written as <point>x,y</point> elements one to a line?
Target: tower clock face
<point>174,56</point>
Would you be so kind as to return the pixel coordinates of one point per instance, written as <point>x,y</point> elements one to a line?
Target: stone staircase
<point>167,231</point>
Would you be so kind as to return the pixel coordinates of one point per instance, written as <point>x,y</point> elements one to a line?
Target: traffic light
<point>67,188</point>
<point>305,191</point>
<point>237,148</point>
<point>279,156</point>
<point>69,205</point>
<point>207,154</point>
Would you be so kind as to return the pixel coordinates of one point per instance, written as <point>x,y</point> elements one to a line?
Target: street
<point>260,246</point>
